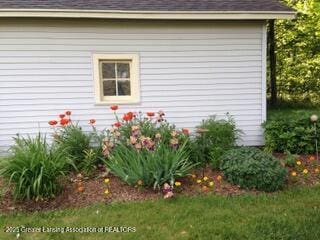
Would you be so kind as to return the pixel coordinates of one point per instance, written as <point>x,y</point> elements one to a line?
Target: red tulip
<point>128,116</point>
<point>64,121</point>
<point>68,113</point>
<point>125,117</point>
<point>117,124</point>
<point>62,116</point>
<point>53,122</point>
<point>150,114</point>
<point>92,121</point>
<point>114,107</point>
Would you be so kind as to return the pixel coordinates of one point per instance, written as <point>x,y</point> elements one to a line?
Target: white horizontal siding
<point>190,70</point>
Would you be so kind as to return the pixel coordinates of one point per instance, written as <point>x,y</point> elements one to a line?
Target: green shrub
<point>292,133</point>
<point>153,168</point>
<point>215,137</point>
<point>34,168</point>
<point>253,169</point>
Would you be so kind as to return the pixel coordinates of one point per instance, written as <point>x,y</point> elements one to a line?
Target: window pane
<point>123,70</point>
<point>124,88</point>
<point>108,70</point>
<point>109,88</point>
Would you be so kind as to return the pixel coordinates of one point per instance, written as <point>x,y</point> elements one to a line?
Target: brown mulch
<point>79,191</point>
<point>308,162</point>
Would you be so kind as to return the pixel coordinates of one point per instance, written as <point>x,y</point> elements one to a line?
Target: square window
<point>116,78</point>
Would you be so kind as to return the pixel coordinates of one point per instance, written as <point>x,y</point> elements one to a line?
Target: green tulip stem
<point>316,140</point>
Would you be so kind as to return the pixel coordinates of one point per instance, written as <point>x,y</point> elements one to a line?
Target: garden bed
<point>93,190</point>
<point>142,157</point>
<point>297,174</point>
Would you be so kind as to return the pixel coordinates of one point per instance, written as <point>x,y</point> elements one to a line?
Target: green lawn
<point>287,112</point>
<point>293,214</point>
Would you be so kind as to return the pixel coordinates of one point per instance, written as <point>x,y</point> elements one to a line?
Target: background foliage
<point>291,132</point>
<point>298,53</point>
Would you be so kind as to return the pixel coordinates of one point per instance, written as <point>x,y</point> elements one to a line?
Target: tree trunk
<point>272,60</point>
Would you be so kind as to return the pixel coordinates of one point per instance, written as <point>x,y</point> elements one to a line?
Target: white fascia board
<point>159,15</point>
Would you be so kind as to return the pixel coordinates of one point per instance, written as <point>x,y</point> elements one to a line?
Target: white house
<point>190,58</point>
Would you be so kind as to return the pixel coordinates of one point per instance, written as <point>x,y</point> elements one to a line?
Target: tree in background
<point>298,53</point>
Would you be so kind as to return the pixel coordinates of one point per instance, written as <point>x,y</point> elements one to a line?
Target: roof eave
<point>158,15</point>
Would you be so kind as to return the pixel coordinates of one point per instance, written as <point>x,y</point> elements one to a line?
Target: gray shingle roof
<point>149,5</point>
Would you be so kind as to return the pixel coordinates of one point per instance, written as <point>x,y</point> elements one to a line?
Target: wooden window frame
<point>134,78</point>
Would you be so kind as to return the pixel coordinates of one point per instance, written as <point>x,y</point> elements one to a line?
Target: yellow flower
<point>178,184</point>
<point>199,181</point>
<point>305,171</point>
<point>205,178</point>
<point>106,192</point>
<point>140,182</point>
<point>293,174</point>
<point>317,170</point>
<point>211,184</point>
<point>106,181</point>
<point>193,176</point>
<point>219,178</point>
<point>298,162</point>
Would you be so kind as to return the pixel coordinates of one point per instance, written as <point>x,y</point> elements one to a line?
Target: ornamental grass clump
<point>252,168</point>
<point>84,148</point>
<point>149,168</point>
<point>34,168</point>
<point>145,150</point>
<point>74,141</point>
